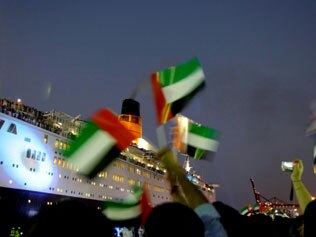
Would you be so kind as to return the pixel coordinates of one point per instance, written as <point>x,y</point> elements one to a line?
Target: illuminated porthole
<point>45,138</point>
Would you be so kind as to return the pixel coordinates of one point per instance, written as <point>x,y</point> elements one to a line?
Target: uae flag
<point>194,139</point>
<point>100,142</point>
<point>250,210</point>
<point>133,210</point>
<point>174,87</point>
<point>244,211</point>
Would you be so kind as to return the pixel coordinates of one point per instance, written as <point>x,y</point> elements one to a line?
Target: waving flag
<point>134,208</point>
<point>174,87</point>
<point>194,139</point>
<point>101,141</point>
<point>250,210</point>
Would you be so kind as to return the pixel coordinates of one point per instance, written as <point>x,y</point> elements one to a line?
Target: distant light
<point>19,100</point>
<point>10,181</point>
<point>29,201</point>
<point>32,212</point>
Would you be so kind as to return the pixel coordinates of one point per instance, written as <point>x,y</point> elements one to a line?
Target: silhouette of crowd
<point>189,214</point>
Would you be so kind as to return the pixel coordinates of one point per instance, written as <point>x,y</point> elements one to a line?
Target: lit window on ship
<point>12,129</point>
<point>1,123</point>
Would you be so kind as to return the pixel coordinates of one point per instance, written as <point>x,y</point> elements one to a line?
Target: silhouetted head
<point>173,219</point>
<point>70,218</point>
<point>310,219</point>
<point>234,223</point>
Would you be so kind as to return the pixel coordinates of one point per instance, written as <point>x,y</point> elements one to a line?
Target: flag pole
<point>161,136</point>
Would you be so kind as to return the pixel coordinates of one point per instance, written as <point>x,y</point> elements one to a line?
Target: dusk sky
<point>259,59</point>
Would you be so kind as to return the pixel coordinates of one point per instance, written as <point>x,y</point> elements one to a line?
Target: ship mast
<point>186,164</point>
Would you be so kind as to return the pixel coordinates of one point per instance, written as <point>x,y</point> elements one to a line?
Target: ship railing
<point>32,116</point>
<point>36,121</point>
<point>140,164</point>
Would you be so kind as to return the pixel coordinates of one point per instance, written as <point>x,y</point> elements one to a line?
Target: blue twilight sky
<point>259,58</point>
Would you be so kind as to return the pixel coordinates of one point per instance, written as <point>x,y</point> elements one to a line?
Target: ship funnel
<point>130,117</point>
<point>130,106</point>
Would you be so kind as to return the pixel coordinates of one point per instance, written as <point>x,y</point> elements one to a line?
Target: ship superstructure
<point>32,145</point>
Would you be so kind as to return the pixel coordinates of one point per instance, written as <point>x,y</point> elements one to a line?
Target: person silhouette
<point>69,218</point>
<point>310,219</point>
<point>187,194</point>
<point>173,219</point>
<point>301,192</point>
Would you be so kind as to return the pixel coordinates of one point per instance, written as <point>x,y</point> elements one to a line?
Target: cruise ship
<point>34,171</point>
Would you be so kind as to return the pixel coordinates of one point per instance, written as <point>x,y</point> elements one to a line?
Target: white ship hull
<point>46,170</point>
<point>34,171</point>
<point>32,160</point>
